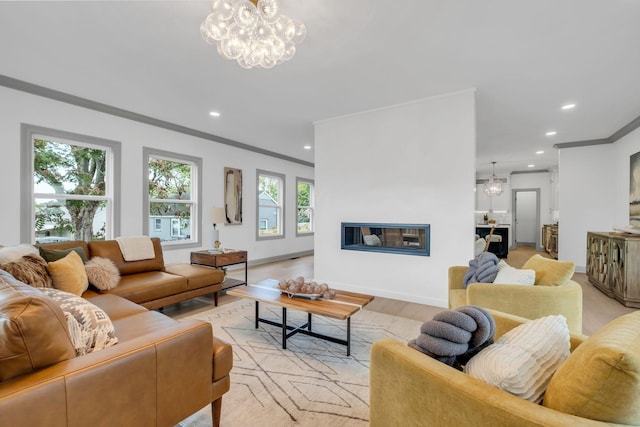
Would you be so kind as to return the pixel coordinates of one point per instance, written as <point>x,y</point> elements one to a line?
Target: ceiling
<point>525,60</point>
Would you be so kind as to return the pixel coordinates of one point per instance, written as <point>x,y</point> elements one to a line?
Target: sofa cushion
<point>149,286</point>
<point>523,360</point>
<point>68,274</point>
<point>601,378</point>
<point>142,324</point>
<point>197,276</point>
<point>102,273</point>
<point>89,326</point>
<point>110,249</point>
<point>115,306</point>
<point>30,269</point>
<point>51,255</point>
<point>550,272</point>
<point>33,329</point>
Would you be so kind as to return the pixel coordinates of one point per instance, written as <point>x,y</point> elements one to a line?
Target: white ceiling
<point>524,58</point>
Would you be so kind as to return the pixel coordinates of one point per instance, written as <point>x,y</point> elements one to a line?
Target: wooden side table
<point>218,260</point>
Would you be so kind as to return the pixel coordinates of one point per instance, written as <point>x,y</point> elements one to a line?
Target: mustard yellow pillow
<point>601,378</point>
<point>550,272</point>
<point>68,274</point>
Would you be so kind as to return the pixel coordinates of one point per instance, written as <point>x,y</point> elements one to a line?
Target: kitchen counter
<point>500,241</point>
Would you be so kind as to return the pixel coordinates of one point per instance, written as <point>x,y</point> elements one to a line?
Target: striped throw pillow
<point>524,359</point>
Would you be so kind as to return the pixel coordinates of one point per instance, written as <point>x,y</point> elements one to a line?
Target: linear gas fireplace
<point>408,239</point>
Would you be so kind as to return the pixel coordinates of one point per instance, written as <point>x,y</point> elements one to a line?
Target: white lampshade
<point>217,216</point>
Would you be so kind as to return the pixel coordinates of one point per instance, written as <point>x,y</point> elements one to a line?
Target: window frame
<point>279,206</point>
<point>112,182</point>
<point>196,190</point>
<point>311,207</point>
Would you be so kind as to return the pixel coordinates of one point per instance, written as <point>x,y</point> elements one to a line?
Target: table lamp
<point>216,216</point>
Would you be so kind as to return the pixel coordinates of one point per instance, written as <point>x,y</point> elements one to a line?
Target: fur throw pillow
<point>30,269</point>
<point>102,273</point>
<point>14,253</point>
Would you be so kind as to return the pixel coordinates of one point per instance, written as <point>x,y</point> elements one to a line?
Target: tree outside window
<point>72,196</point>
<point>304,211</point>
<point>171,199</point>
<point>270,205</point>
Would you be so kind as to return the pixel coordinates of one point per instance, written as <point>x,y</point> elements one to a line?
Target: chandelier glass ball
<point>254,34</point>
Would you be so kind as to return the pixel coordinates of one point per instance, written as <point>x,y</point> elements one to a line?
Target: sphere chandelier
<point>493,187</point>
<point>253,32</point>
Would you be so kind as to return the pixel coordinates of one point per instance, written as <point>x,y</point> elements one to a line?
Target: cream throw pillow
<point>68,274</point>
<point>601,378</point>
<point>550,272</point>
<point>508,275</point>
<point>502,264</point>
<point>372,240</point>
<point>523,360</point>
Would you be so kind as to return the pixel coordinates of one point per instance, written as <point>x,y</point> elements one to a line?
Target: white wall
<point>410,163</point>
<point>593,194</point>
<point>18,107</point>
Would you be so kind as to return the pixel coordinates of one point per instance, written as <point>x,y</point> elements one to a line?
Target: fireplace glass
<point>408,239</point>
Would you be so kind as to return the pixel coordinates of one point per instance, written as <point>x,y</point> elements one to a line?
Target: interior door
<point>526,216</point>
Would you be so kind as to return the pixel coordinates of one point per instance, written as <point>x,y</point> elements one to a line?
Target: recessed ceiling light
<point>531,166</point>
<point>551,133</point>
<point>540,152</point>
<point>307,147</point>
<point>214,114</point>
<point>568,106</point>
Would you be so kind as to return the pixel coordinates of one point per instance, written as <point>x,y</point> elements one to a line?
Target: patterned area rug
<point>312,382</point>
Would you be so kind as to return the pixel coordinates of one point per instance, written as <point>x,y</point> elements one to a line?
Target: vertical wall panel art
<point>233,195</point>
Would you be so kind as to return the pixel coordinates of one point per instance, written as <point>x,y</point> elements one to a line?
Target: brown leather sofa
<point>149,282</point>
<point>160,371</point>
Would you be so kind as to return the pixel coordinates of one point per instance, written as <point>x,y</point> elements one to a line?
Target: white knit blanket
<point>136,248</point>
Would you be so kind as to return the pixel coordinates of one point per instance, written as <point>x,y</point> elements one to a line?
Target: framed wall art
<point>233,195</point>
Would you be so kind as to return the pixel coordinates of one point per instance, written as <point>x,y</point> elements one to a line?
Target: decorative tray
<point>299,294</point>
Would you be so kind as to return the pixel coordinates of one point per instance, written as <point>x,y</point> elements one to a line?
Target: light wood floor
<point>598,309</point>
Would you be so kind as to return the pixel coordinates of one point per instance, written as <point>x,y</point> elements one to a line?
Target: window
<point>175,228</point>
<point>69,186</point>
<point>270,195</point>
<point>304,211</point>
<point>172,200</point>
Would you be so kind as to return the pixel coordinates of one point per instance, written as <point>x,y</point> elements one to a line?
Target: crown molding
<point>67,98</point>
<point>623,131</point>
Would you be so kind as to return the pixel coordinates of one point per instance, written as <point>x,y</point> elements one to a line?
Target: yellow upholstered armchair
<point>596,386</point>
<point>530,302</point>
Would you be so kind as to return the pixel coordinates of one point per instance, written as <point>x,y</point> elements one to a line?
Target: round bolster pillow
<point>453,337</point>
<point>449,332</point>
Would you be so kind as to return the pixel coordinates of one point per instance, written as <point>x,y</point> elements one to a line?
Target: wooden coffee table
<point>342,307</point>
